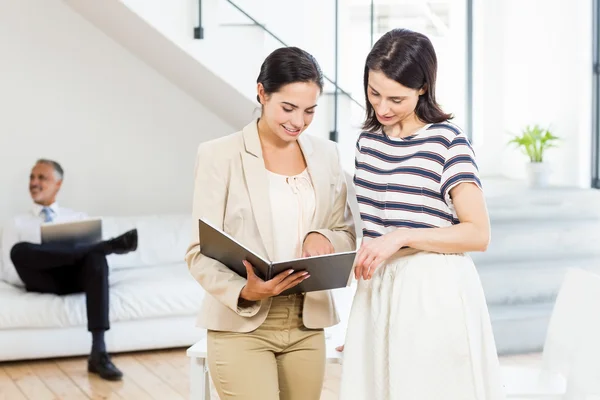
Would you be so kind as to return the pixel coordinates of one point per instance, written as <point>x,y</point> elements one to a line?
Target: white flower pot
<point>538,174</point>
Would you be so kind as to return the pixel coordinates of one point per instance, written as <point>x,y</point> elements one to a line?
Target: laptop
<point>331,271</point>
<point>87,231</point>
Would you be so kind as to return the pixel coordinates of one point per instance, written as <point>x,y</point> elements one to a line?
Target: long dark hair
<point>288,65</point>
<point>408,58</point>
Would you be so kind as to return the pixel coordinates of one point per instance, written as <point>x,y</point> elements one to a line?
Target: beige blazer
<point>231,191</point>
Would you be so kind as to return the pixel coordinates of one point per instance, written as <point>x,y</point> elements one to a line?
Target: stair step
<point>528,241</point>
<point>520,328</point>
<point>528,283</point>
<point>513,202</point>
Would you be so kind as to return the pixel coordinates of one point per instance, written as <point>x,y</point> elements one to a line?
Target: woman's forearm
<point>460,238</point>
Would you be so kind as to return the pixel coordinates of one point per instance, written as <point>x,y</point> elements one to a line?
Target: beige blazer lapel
<point>319,309</point>
<point>320,180</point>
<point>258,185</point>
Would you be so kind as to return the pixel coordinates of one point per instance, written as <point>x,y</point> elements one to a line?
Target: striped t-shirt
<point>405,182</point>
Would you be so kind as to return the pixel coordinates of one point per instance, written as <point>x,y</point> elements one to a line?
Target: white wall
<point>232,54</point>
<point>448,38</point>
<point>308,24</point>
<point>234,48</point>
<point>533,65</point>
<point>126,136</point>
<point>489,136</point>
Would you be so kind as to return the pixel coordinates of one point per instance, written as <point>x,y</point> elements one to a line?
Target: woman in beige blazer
<point>282,194</point>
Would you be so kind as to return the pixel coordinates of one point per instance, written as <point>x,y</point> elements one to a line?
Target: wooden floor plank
<point>130,389</point>
<point>161,374</point>
<point>90,384</point>
<point>28,382</point>
<point>57,381</point>
<point>162,368</point>
<point>331,385</point>
<point>179,360</point>
<point>8,388</point>
<point>145,378</point>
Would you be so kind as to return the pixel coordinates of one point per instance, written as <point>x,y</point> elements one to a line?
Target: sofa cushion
<point>153,292</point>
<point>162,239</point>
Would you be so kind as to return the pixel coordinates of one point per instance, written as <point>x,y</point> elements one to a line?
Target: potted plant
<point>534,141</point>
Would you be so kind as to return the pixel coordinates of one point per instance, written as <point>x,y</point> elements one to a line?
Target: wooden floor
<point>160,375</point>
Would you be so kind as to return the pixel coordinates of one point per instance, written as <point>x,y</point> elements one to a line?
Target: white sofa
<point>153,299</point>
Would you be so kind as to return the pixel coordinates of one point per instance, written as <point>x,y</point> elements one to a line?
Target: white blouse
<point>292,209</point>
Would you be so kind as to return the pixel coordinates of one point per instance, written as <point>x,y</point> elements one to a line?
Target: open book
<point>330,271</point>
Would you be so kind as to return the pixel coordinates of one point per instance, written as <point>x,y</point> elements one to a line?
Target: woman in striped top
<point>419,328</point>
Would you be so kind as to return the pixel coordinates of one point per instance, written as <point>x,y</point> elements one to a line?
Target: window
<point>447,24</point>
<point>596,97</point>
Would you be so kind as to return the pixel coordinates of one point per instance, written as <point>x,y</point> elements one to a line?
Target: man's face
<point>43,184</point>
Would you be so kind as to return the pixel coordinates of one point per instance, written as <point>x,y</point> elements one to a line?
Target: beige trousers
<point>281,359</point>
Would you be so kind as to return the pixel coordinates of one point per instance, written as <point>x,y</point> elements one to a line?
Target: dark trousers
<point>66,269</point>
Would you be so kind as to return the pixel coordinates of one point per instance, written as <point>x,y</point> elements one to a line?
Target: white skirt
<point>420,330</point>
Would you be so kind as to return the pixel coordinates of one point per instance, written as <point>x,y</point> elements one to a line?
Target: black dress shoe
<point>125,243</point>
<point>100,363</point>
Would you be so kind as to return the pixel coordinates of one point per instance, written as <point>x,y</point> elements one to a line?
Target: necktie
<point>47,214</point>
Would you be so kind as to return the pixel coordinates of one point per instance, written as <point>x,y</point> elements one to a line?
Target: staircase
<point>158,46</point>
<point>219,70</point>
<point>536,236</point>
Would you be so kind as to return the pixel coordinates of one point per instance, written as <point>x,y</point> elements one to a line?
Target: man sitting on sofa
<point>63,269</point>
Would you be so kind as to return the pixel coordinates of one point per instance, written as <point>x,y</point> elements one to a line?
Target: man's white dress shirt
<point>26,228</point>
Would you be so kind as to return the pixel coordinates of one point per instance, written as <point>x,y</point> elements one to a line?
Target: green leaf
<point>534,141</point>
